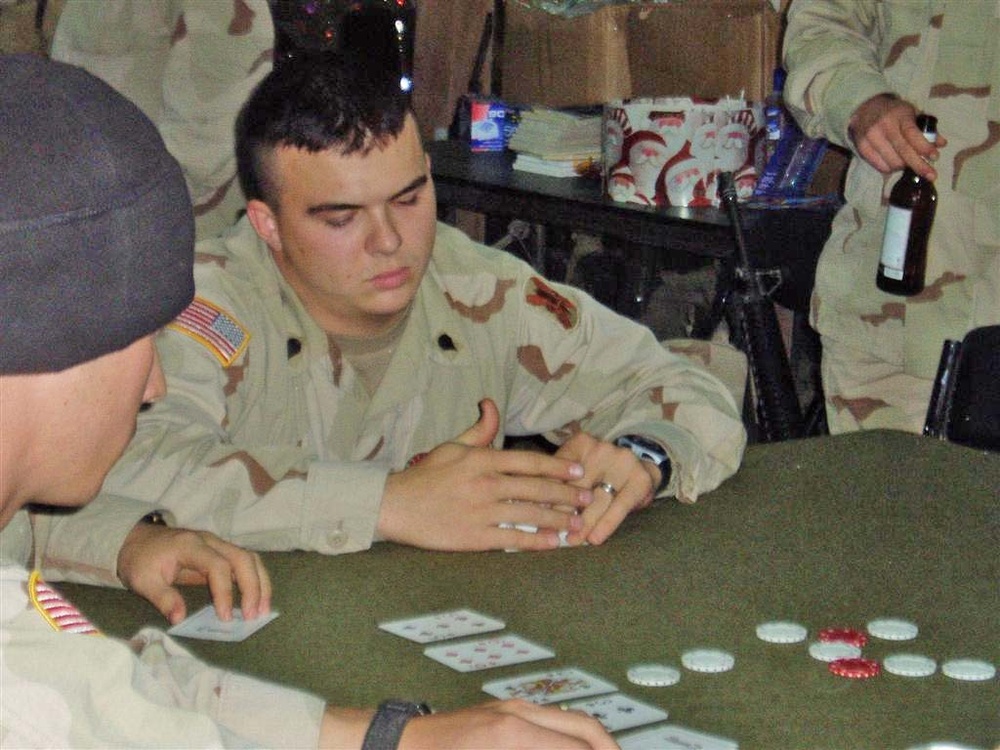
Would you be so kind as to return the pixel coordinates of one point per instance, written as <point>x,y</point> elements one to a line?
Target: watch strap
<point>387,724</point>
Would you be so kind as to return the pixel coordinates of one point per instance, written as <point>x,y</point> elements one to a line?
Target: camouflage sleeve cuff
<point>83,546</point>
<point>846,90</point>
<point>341,508</point>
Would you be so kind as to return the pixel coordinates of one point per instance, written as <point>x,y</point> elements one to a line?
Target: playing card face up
<point>618,711</point>
<point>549,687</point>
<point>441,626</point>
<point>204,624</point>
<point>673,737</point>
<point>486,653</point>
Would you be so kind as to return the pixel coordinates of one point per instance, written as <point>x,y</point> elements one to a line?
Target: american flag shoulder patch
<point>58,612</point>
<point>213,328</point>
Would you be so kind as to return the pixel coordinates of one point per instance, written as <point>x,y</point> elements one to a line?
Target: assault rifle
<point>753,326</point>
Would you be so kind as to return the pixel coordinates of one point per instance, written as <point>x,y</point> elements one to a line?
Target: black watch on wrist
<point>388,723</point>
<point>649,450</point>
<point>154,518</point>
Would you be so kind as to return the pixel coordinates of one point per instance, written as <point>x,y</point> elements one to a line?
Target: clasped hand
<point>466,496</point>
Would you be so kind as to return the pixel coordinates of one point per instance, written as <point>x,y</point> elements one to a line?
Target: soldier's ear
<point>265,223</point>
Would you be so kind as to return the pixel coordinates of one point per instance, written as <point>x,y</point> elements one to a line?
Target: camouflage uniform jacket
<point>81,546</point>
<point>268,438</point>
<point>59,677</point>
<point>189,65</point>
<point>944,58</point>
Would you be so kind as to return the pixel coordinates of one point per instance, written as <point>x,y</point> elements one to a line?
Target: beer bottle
<point>908,226</point>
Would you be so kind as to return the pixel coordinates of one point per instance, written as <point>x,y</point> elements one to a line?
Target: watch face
<point>643,448</point>
<point>651,451</point>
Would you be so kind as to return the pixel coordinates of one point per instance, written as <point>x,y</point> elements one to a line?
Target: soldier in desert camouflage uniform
<point>96,238</point>
<point>325,387</point>
<point>858,71</point>
<point>189,65</point>
<point>96,244</point>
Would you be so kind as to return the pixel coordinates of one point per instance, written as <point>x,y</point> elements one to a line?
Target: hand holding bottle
<point>885,134</point>
<point>908,223</point>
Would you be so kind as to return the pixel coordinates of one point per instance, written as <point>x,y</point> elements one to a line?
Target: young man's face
<point>352,234</point>
<point>85,417</point>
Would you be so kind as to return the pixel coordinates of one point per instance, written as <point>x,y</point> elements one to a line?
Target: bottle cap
<point>928,126</point>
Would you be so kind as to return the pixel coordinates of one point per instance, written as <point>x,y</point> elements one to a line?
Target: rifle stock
<point>752,318</point>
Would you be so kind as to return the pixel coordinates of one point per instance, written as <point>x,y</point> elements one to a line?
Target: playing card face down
<point>618,711</point>
<point>441,626</point>
<point>551,686</point>
<point>205,625</point>
<point>487,653</point>
<point>673,737</point>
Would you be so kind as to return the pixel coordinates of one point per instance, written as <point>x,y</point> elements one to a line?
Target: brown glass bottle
<point>908,227</point>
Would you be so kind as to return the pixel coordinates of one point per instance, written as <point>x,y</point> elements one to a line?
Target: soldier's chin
<point>78,491</point>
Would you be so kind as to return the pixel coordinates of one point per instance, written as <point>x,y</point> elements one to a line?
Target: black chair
<point>965,402</point>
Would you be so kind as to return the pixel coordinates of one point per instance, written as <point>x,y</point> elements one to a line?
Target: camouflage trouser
<point>864,392</point>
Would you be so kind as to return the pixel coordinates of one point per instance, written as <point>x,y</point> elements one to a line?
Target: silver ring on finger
<point>608,487</point>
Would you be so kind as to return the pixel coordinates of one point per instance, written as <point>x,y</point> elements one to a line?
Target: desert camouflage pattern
<point>189,65</point>
<point>880,351</point>
<point>285,448</point>
<point>81,546</point>
<point>57,685</point>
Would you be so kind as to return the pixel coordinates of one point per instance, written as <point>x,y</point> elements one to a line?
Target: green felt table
<point>825,531</point>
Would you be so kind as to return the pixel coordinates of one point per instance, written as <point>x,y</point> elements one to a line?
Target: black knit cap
<point>96,227</point>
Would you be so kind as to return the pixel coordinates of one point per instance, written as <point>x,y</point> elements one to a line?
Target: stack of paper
<point>557,167</point>
<point>558,142</point>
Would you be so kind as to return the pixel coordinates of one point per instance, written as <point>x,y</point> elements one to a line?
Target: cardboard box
<point>701,48</point>
<point>706,48</point>
<point>555,61</point>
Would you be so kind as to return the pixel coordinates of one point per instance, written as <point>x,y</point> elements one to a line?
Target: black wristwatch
<point>649,450</point>
<point>388,723</point>
<point>154,518</point>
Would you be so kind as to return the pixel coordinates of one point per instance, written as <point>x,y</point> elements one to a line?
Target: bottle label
<point>897,236</point>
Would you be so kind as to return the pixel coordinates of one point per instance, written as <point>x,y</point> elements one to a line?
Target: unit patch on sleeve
<point>540,294</point>
<point>58,612</point>
<point>213,328</point>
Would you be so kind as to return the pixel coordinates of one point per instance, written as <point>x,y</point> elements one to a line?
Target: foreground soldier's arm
<point>496,724</point>
<point>111,544</point>
<point>162,694</point>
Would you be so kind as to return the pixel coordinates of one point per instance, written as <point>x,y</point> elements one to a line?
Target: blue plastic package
<point>492,123</point>
<point>791,168</point>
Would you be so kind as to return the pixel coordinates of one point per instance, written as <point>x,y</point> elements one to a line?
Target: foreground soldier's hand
<point>153,558</point>
<point>497,724</point>
<point>457,496</point>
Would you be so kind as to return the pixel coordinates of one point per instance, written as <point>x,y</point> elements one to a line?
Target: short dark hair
<point>314,103</point>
